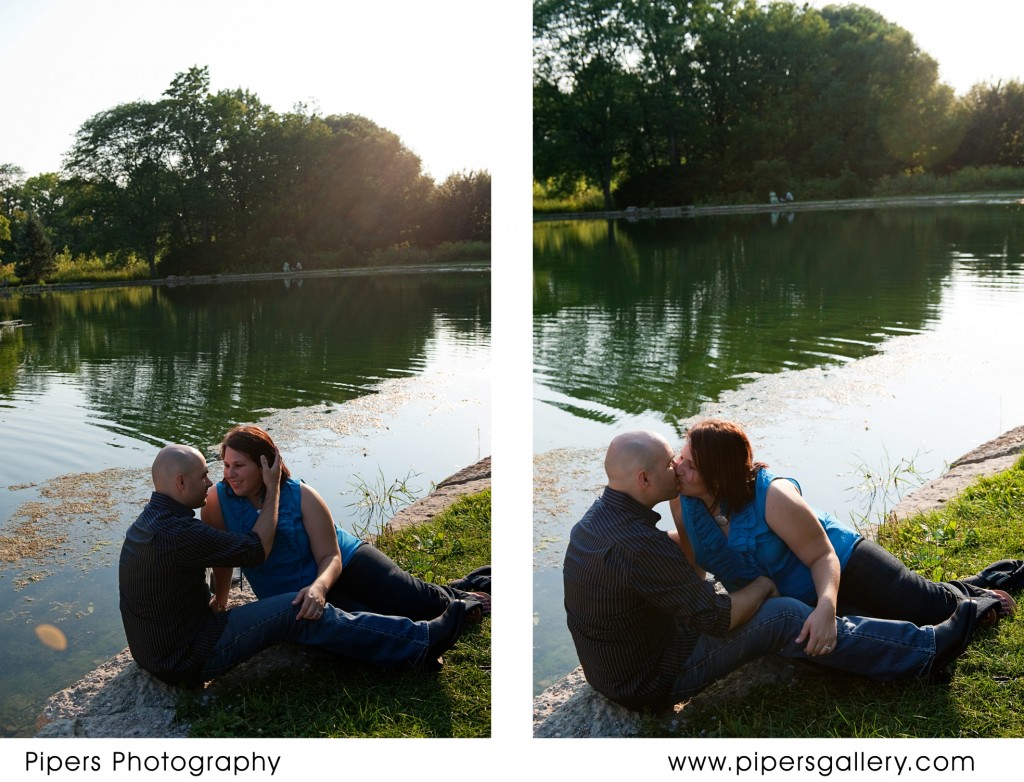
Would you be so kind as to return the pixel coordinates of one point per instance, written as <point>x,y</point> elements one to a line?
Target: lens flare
<point>50,636</point>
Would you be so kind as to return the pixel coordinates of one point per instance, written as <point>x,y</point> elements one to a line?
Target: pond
<point>849,344</point>
<point>363,380</point>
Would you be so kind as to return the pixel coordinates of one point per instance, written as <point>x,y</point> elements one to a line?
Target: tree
<point>585,120</point>
<point>460,209</point>
<point>120,164</point>
<point>995,126</point>
<point>37,255</point>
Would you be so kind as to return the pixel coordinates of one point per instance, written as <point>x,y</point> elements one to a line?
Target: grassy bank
<point>983,525</point>
<point>345,699</point>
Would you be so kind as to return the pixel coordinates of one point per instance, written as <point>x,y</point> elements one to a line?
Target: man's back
<point>164,597</point>
<point>634,606</point>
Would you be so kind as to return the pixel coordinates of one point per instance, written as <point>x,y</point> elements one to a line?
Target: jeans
<point>373,638</point>
<point>879,649</point>
<point>371,581</point>
<point>875,583</point>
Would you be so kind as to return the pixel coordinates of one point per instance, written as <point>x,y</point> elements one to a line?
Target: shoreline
<point>633,213</point>
<point>175,281</point>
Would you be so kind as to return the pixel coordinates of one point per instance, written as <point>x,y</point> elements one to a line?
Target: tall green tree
<point>585,118</point>
<point>122,179</point>
<point>36,252</point>
<point>460,209</point>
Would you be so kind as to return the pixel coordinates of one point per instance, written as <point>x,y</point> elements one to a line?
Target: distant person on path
<point>737,520</point>
<point>649,631</point>
<point>312,556</point>
<point>173,630</point>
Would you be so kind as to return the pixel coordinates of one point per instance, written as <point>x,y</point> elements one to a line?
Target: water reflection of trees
<point>669,314</point>
<point>182,364</point>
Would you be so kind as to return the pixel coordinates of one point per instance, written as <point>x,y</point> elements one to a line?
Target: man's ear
<point>643,478</point>
<point>179,481</point>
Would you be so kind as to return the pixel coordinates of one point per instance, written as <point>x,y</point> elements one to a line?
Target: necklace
<point>721,520</point>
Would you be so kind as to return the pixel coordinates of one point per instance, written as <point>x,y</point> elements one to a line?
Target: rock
<point>119,699</point>
<point>988,459</point>
<point>471,480</point>
<point>571,708</point>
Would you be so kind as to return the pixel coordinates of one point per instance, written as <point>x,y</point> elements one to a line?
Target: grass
<point>983,525</point>
<point>352,700</point>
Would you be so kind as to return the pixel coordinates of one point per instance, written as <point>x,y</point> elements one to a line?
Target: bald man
<point>173,628</point>
<point>650,632</point>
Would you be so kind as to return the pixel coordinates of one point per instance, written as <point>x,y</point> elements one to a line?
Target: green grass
<point>985,524</point>
<point>336,699</point>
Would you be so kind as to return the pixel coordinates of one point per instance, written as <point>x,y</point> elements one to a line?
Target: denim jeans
<point>373,638</point>
<point>875,583</point>
<point>880,649</point>
<point>371,581</point>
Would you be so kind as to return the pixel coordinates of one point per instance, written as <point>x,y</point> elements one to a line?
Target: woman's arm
<point>212,515</point>
<point>323,542</point>
<point>680,537</point>
<point>792,519</point>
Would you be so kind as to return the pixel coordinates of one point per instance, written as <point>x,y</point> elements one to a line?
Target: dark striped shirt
<point>634,605</point>
<point>164,594</point>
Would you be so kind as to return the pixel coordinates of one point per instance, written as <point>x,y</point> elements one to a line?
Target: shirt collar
<point>622,501</point>
<point>163,502</point>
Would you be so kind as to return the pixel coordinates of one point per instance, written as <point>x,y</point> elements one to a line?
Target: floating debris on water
<point>79,514</point>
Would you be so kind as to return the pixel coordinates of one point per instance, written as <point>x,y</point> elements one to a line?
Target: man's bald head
<point>180,472</point>
<point>640,465</point>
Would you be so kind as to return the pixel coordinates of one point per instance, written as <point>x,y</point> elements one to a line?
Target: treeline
<point>202,181</point>
<point>673,102</point>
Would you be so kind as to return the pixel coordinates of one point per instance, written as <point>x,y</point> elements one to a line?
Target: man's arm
<point>746,600</point>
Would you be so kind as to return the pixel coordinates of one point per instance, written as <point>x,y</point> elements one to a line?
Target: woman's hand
<point>271,473</point>
<point>819,632</point>
<point>311,600</point>
<point>217,606</point>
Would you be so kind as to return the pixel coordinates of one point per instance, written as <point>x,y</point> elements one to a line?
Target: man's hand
<point>746,600</point>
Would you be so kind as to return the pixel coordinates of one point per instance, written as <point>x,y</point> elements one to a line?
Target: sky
<point>437,73</point>
<point>431,72</point>
<point>973,42</point>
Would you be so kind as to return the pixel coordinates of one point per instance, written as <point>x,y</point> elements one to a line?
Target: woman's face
<point>691,484</point>
<point>243,475</point>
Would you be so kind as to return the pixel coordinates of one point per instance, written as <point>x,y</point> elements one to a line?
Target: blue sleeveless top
<point>751,549</point>
<point>290,566</point>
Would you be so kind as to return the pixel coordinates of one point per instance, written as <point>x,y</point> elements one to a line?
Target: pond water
<point>847,343</point>
<point>361,380</point>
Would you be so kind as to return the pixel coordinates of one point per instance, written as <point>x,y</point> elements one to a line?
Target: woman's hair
<point>254,443</point>
<point>723,456</point>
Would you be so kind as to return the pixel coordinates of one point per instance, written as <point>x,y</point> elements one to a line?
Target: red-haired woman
<point>311,555</point>
<point>737,520</point>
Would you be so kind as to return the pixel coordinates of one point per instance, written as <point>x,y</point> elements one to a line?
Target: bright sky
<point>432,72</point>
<point>973,42</point>
<point>435,73</point>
